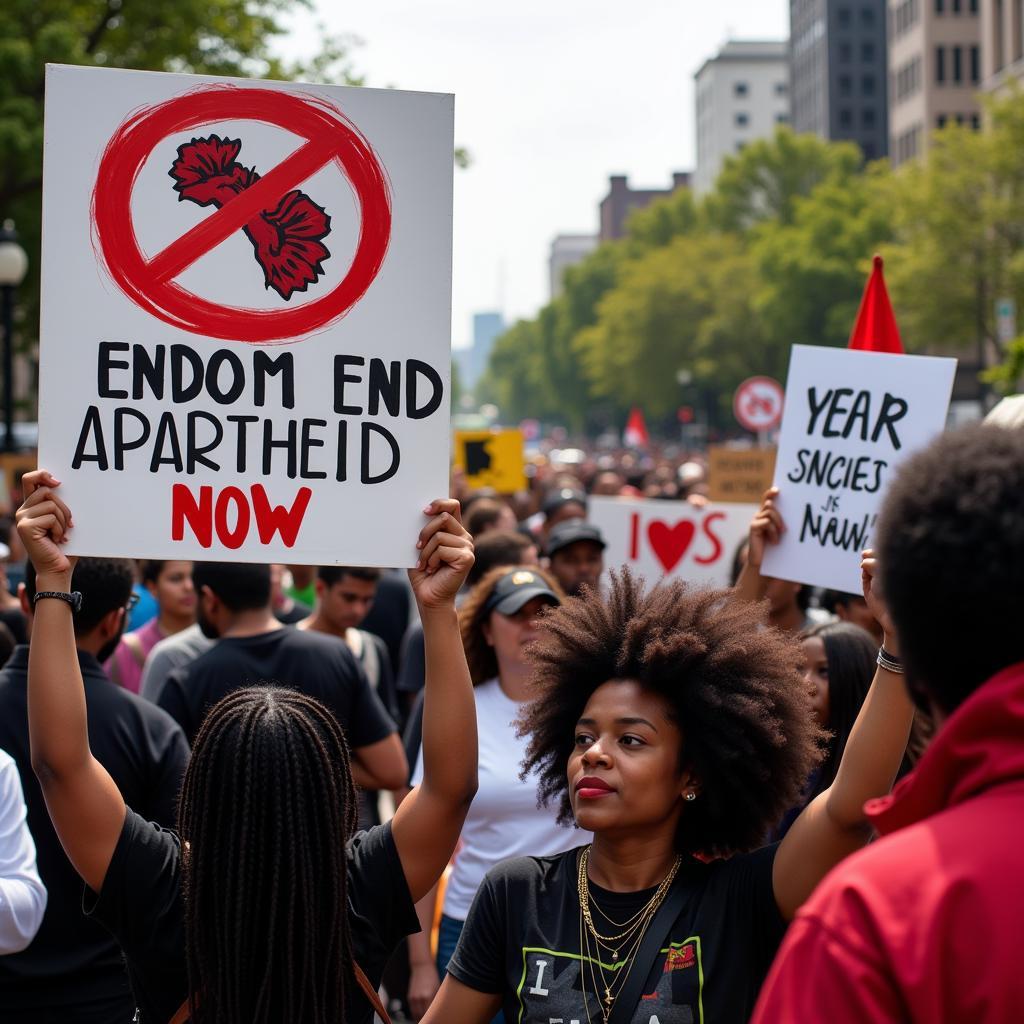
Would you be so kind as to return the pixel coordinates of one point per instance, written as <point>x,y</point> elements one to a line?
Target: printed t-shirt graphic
<point>553,984</point>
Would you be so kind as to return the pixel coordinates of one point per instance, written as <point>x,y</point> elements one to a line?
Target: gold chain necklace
<point>628,941</point>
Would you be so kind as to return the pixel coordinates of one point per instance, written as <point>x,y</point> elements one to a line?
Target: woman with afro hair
<point>677,728</point>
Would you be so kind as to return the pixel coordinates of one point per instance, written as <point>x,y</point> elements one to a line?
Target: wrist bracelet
<point>889,661</point>
<point>74,599</point>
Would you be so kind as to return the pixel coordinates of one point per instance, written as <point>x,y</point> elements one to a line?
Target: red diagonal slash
<point>239,210</point>
<point>328,136</point>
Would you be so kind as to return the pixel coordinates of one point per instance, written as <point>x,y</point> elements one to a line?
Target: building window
<point>867,117</point>
<point>869,150</point>
<point>845,118</point>
<point>976,122</point>
<point>867,53</point>
<point>740,88</point>
<point>781,88</point>
<point>940,121</point>
<point>740,146</point>
<point>973,8</point>
<point>844,17</point>
<point>975,65</point>
<point>940,65</point>
<point>867,15</point>
<point>845,53</point>
<point>867,85</point>
<point>956,6</point>
<point>782,118</point>
<point>958,64</point>
<point>845,85</point>
<point>940,7</point>
<point>742,120</point>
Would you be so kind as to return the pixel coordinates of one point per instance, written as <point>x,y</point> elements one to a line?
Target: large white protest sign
<point>671,539</point>
<point>851,417</point>
<point>246,311</point>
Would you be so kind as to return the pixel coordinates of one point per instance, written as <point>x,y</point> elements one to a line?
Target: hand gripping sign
<point>150,282</point>
<point>246,315</point>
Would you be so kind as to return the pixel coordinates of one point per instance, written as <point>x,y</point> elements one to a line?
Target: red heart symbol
<point>670,543</point>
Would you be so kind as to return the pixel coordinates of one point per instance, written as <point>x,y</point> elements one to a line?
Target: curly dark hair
<point>480,657</point>
<point>950,540</point>
<point>731,684</point>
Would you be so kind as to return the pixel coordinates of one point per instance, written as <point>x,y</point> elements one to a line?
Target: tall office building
<point>742,94</point>
<point>567,251</point>
<point>1002,42</point>
<point>838,64</point>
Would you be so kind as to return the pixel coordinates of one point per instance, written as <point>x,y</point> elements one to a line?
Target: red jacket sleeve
<point>817,976</point>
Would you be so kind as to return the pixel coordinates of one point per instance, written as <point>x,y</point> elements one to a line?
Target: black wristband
<point>74,598</point>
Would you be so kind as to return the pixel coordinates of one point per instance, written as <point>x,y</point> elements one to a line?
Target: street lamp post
<point>13,265</point>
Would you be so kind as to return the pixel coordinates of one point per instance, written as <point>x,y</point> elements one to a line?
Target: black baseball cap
<point>571,531</point>
<point>515,589</point>
<point>563,496</point>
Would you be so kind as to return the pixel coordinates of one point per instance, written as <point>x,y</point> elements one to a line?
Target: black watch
<point>74,598</point>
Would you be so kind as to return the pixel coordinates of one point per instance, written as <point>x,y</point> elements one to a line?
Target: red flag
<point>635,435</point>
<point>875,329</point>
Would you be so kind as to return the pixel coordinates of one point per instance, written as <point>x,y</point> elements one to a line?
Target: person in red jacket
<point>924,925</point>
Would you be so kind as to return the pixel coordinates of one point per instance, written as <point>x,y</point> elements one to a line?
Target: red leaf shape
<point>288,245</point>
<point>287,240</point>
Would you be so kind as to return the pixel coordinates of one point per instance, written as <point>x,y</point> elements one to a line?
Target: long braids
<point>267,807</point>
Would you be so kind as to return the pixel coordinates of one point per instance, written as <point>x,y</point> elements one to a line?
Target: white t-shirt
<point>504,820</point>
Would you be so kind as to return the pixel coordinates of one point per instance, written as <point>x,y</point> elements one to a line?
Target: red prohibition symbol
<point>150,282</point>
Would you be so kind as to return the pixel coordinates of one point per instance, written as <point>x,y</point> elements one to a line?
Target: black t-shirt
<point>522,939</point>
<point>388,618</point>
<point>141,904</point>
<point>316,664</point>
<point>73,970</point>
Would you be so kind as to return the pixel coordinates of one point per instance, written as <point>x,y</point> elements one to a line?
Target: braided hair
<point>267,807</point>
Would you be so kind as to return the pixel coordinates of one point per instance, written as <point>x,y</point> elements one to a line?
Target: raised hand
<point>43,523</point>
<point>871,585</point>
<point>446,555</point>
<point>766,528</point>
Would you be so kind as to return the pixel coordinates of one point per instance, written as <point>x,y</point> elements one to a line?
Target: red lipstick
<point>592,788</point>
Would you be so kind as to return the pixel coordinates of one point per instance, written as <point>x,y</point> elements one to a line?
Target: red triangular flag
<point>875,329</point>
<point>635,435</point>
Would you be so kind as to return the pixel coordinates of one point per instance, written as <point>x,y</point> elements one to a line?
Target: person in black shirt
<point>74,971</point>
<point>234,605</point>
<point>268,904</point>
<point>677,729</point>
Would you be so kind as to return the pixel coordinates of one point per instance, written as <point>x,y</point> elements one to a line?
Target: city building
<point>838,71</point>
<point>622,200</point>
<point>934,71</point>
<point>742,94</point>
<point>472,360</point>
<point>1002,42</point>
<point>567,251</point>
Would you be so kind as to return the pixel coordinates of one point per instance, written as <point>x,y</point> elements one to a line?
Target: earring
<point>690,795</point>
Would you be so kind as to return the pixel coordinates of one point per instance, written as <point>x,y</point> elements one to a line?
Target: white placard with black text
<point>246,313</point>
<point>850,418</point>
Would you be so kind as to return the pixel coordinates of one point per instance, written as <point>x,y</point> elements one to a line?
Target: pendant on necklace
<point>608,998</point>
<point>615,954</point>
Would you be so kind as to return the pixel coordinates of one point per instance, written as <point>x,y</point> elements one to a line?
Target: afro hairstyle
<point>950,539</point>
<point>731,684</point>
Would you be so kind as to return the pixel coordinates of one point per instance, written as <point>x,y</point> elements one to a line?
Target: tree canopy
<point>778,253</point>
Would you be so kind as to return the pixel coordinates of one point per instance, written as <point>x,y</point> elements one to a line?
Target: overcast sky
<point>551,96</point>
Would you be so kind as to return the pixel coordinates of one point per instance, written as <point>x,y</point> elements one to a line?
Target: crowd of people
<point>516,784</point>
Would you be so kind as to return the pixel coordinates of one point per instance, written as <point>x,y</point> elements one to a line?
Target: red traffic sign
<point>757,404</point>
<point>329,137</point>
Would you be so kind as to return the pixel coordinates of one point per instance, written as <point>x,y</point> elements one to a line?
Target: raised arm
<point>427,825</point>
<point>85,806</point>
<point>833,825</point>
<point>766,528</point>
